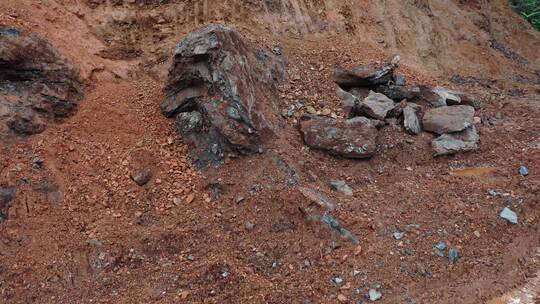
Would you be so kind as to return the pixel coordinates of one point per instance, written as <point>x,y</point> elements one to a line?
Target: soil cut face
<point>109,208</point>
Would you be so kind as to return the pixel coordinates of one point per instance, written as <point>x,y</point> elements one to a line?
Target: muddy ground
<point>81,231</point>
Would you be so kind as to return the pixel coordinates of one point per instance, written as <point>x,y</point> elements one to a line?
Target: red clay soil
<point>81,231</point>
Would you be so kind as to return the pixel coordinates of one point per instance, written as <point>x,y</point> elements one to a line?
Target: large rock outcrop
<point>226,90</point>
<point>37,85</point>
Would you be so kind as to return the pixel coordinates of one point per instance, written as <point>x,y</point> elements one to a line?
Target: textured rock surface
<point>410,119</point>
<point>448,119</point>
<point>37,85</point>
<point>376,106</point>
<point>398,93</point>
<point>367,75</point>
<point>232,87</point>
<point>453,143</point>
<point>352,138</point>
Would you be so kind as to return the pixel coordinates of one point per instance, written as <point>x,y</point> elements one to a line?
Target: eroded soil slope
<point>80,228</point>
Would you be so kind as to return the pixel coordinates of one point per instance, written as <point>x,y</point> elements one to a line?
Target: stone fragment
<point>448,119</point>
<point>453,143</point>
<point>342,187</point>
<point>376,106</point>
<point>509,215</point>
<point>350,139</point>
<point>410,119</point>
<point>142,178</point>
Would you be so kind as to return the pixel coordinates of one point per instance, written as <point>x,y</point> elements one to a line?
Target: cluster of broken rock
<point>223,93</point>
<point>373,96</point>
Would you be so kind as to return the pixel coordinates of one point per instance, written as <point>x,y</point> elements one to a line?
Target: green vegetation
<point>529,9</point>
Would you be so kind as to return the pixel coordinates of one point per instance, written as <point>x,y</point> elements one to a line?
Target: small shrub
<point>529,9</point>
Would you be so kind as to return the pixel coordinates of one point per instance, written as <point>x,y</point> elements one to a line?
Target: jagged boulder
<point>352,138</point>
<point>228,90</point>
<point>37,84</point>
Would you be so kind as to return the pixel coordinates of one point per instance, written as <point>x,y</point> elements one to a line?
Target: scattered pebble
<point>398,235</point>
<point>342,187</point>
<point>142,178</point>
<point>249,226</point>
<point>337,281</point>
<point>453,255</point>
<point>509,215</point>
<point>191,258</point>
<point>37,162</point>
<point>374,295</point>
<point>440,248</point>
<point>523,171</point>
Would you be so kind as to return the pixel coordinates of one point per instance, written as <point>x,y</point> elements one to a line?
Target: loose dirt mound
<point>270,228</point>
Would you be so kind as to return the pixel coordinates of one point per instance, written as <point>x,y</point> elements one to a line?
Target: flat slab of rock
<point>232,87</point>
<point>410,119</point>
<point>448,119</point>
<point>441,97</point>
<point>376,106</point>
<point>37,84</point>
<point>367,75</point>
<point>398,93</point>
<point>352,138</point>
<point>464,141</point>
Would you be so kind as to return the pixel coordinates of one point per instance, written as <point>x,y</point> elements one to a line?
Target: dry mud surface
<point>81,231</point>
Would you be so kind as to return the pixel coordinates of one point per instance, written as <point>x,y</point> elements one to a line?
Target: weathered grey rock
<point>410,119</point>
<point>142,178</point>
<point>376,106</point>
<point>453,143</point>
<point>367,121</point>
<point>25,122</point>
<point>182,101</point>
<point>349,102</point>
<point>430,97</point>
<point>360,93</point>
<point>342,187</point>
<point>523,171</point>
<point>6,196</point>
<point>233,87</point>
<point>448,119</point>
<point>367,75</point>
<point>447,97</point>
<point>37,85</point>
<point>374,295</point>
<point>440,97</point>
<point>400,80</point>
<point>398,93</point>
<point>9,32</point>
<point>351,138</point>
<point>509,215</point>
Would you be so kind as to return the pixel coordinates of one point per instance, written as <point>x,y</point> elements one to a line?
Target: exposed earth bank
<point>107,206</point>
